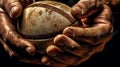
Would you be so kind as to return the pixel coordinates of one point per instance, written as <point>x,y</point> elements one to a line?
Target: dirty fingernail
<point>67,31</point>
<point>31,51</point>
<point>52,50</point>
<point>15,12</point>
<point>45,60</point>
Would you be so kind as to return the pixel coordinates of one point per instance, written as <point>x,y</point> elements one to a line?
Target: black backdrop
<point>108,57</point>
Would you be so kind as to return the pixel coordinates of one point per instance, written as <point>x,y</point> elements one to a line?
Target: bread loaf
<point>42,21</point>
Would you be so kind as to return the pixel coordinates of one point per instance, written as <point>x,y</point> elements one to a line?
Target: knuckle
<point>1,10</point>
<point>12,54</point>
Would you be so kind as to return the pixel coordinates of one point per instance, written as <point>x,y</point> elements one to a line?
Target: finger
<point>22,44</point>
<point>15,56</point>
<point>69,45</point>
<point>85,51</point>
<point>9,34</point>
<point>101,27</point>
<point>92,36</point>
<point>85,8</point>
<point>11,53</point>
<point>86,56</point>
<point>51,63</point>
<point>13,7</point>
<point>45,60</point>
<point>91,52</point>
<point>61,56</point>
<point>31,60</point>
<point>101,45</point>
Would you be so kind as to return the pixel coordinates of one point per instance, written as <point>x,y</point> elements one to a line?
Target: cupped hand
<point>17,47</point>
<point>14,44</point>
<point>86,37</point>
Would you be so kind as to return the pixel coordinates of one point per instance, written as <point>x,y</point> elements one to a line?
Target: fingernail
<point>52,51</point>
<point>30,51</point>
<point>12,11</point>
<point>68,32</point>
<point>45,60</point>
<point>59,40</point>
<point>15,12</point>
<point>1,10</point>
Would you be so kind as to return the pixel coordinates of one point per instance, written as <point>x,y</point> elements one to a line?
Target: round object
<point>42,21</point>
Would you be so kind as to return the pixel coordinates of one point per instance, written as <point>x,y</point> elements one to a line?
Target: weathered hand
<point>14,44</point>
<point>77,43</point>
<point>80,41</point>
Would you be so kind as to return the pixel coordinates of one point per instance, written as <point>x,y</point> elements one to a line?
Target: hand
<point>80,41</point>
<point>14,44</point>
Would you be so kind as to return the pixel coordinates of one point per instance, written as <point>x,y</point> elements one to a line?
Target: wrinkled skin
<point>75,45</point>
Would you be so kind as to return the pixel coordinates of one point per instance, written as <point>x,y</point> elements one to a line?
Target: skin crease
<point>101,26</point>
<point>14,8</point>
<point>9,34</point>
<point>72,53</point>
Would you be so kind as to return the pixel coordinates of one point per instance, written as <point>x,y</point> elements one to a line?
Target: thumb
<point>13,7</point>
<point>85,8</point>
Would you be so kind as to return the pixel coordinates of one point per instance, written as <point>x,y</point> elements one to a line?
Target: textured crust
<point>45,19</point>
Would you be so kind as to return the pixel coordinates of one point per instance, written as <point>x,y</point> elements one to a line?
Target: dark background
<point>110,56</point>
